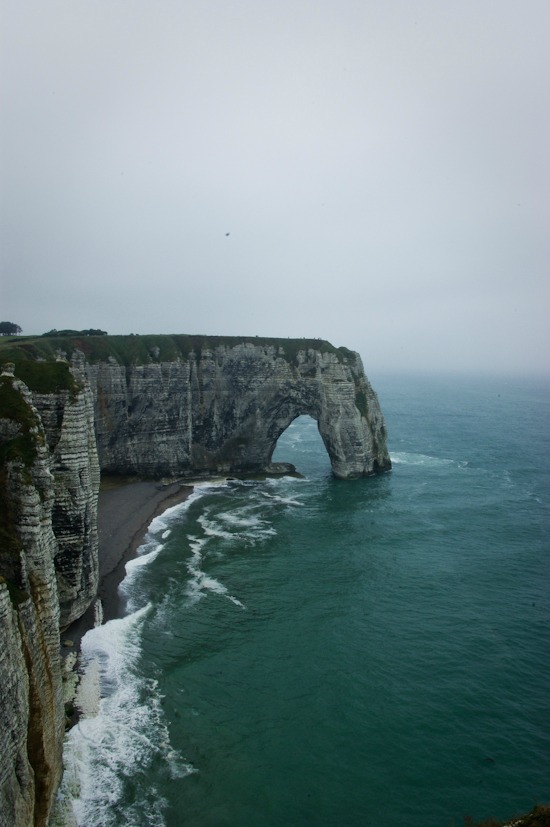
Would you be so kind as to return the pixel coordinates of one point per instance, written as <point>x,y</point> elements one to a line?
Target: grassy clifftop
<point>134,349</point>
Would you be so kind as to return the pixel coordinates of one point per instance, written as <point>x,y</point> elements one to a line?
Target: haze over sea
<point>309,651</point>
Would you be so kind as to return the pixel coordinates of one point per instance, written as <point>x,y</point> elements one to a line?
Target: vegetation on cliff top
<point>46,377</point>
<point>9,329</point>
<point>134,349</point>
<point>92,331</point>
<point>22,445</point>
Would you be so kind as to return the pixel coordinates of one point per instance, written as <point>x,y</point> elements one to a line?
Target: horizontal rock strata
<point>49,479</point>
<point>222,409</point>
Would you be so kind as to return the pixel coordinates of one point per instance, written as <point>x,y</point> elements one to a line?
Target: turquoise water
<point>339,654</point>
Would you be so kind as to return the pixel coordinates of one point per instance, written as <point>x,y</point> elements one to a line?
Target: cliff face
<point>222,409</point>
<point>48,483</point>
<point>68,421</point>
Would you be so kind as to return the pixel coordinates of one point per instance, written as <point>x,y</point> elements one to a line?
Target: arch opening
<point>301,446</point>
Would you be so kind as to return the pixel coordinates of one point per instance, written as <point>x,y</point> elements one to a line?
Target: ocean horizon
<point>305,650</point>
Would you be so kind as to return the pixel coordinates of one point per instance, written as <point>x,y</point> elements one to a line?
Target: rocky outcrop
<point>221,409</point>
<point>48,480</point>
<point>68,421</point>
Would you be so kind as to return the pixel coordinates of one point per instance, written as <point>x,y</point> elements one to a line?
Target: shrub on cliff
<point>90,332</point>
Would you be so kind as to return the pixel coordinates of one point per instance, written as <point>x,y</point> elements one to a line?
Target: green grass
<point>10,544</point>
<point>13,406</point>
<point>46,377</point>
<point>21,448</point>
<point>131,350</point>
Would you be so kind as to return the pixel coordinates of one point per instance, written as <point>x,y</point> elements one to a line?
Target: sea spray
<point>124,734</point>
<point>121,729</point>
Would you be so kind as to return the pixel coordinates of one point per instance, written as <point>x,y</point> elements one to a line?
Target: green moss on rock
<point>22,446</point>
<point>46,377</point>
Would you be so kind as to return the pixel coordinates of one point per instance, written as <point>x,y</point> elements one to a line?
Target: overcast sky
<point>372,172</point>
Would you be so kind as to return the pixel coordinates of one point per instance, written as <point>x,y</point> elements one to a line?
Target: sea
<point>307,651</point>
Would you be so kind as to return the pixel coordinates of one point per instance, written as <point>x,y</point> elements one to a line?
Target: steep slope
<point>33,561</point>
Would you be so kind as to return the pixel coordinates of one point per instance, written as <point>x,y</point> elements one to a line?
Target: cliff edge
<point>49,480</point>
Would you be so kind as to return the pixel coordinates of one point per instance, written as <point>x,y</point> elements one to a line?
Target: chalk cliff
<point>68,421</point>
<point>49,480</point>
<point>221,407</point>
<point>149,406</point>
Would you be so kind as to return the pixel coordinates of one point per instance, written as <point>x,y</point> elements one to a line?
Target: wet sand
<point>125,512</point>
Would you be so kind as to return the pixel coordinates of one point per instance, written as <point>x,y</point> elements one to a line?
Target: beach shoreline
<point>125,512</point>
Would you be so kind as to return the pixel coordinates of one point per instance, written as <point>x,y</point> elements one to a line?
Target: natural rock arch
<point>286,453</point>
<point>222,409</point>
<point>355,440</point>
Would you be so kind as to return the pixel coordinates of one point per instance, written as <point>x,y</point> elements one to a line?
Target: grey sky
<point>382,169</point>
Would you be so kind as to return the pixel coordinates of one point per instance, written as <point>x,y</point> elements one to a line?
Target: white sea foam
<point>407,458</point>
<point>151,547</point>
<point>148,552</point>
<point>199,582</point>
<point>119,733</point>
<point>143,559</point>
<point>239,519</point>
<point>275,498</point>
<point>249,527</point>
<point>286,482</point>
<point>211,529</point>
<point>163,522</point>
<point>122,728</point>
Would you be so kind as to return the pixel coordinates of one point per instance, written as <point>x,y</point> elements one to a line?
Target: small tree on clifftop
<point>9,329</point>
